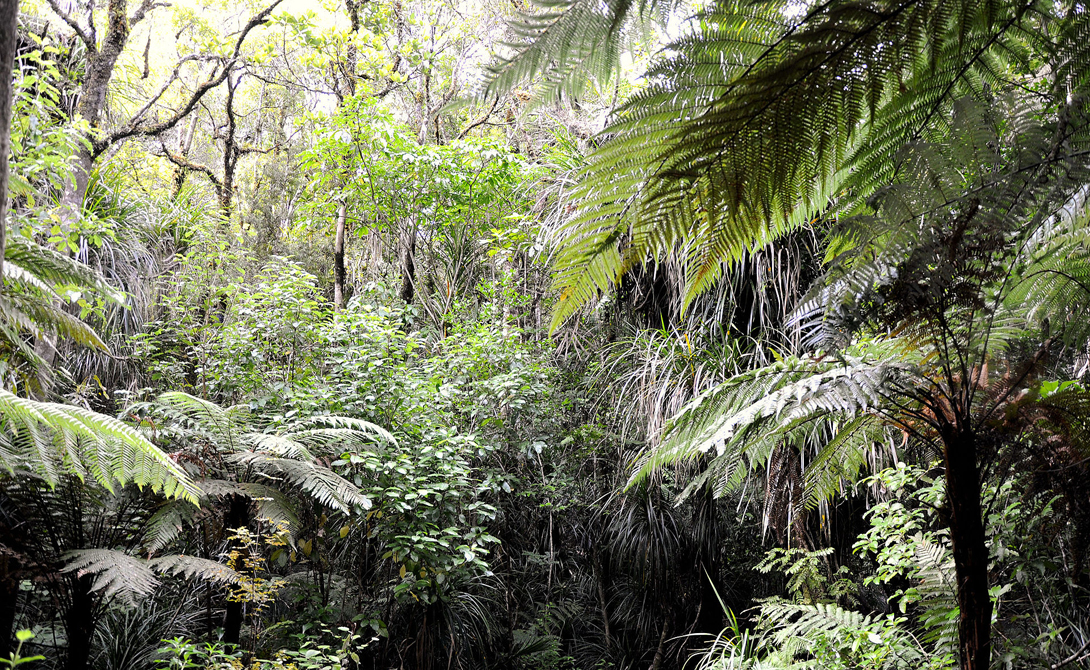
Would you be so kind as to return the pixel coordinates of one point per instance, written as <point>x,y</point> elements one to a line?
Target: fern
<point>49,440</point>
<point>116,573</point>
<point>760,119</point>
<point>564,42</point>
<point>120,575</point>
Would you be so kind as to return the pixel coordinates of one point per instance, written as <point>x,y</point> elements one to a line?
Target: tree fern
<point>760,118</point>
<point>129,578</point>
<point>262,467</point>
<point>50,440</point>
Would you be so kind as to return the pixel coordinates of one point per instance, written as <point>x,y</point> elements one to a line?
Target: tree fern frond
<point>565,42</point>
<point>55,268</point>
<point>167,524</point>
<point>116,573</point>
<point>193,567</point>
<point>327,487</point>
<point>59,438</point>
<point>758,118</point>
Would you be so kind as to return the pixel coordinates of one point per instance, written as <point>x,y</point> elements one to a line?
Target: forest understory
<point>544,334</point>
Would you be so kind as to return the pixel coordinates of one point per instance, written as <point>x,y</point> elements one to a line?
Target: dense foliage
<point>594,334</point>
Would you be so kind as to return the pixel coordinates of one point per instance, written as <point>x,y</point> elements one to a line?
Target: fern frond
<point>326,486</point>
<point>759,118</point>
<point>193,567</point>
<point>116,573</point>
<point>51,438</point>
<point>565,42</point>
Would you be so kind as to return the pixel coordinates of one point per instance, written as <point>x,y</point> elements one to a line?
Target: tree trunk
<point>660,651</point>
<point>101,60</point>
<point>9,599</point>
<point>600,578</point>
<point>339,273</point>
<point>408,266</point>
<point>710,616</point>
<point>963,492</point>
<point>238,516</point>
<point>79,623</point>
<point>9,24</point>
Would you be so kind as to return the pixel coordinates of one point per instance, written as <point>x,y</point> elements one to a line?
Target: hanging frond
<point>167,524</point>
<point>116,573</point>
<point>48,440</point>
<point>566,42</point>
<point>761,118</point>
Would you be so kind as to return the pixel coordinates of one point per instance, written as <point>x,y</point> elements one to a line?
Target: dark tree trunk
<point>238,516</point>
<point>339,274</point>
<point>9,24</point>
<point>963,492</point>
<point>710,618</point>
<point>660,650</point>
<point>9,599</point>
<point>601,578</point>
<point>79,623</point>
<point>408,266</point>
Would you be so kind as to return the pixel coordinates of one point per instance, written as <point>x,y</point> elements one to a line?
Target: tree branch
<point>186,164</point>
<point>134,128</point>
<point>74,25</point>
<point>142,11</point>
<point>481,121</point>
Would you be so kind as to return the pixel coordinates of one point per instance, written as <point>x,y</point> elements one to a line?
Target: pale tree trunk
<point>339,273</point>
<point>100,63</point>
<point>184,147</point>
<point>9,23</point>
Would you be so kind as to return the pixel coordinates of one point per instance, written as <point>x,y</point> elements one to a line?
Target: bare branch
<point>481,121</point>
<point>87,40</point>
<point>163,89</point>
<point>186,164</point>
<point>145,7</point>
<point>134,128</point>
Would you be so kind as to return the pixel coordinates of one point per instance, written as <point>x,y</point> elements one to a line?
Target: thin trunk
<point>600,578</point>
<point>9,24</point>
<point>660,651</point>
<point>963,492</point>
<point>339,274</point>
<point>184,147</point>
<point>408,266</point>
<point>238,516</point>
<point>79,624</point>
<point>9,599</point>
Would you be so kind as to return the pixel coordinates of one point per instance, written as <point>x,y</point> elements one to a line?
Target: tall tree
<point>9,24</point>
<point>101,60</point>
